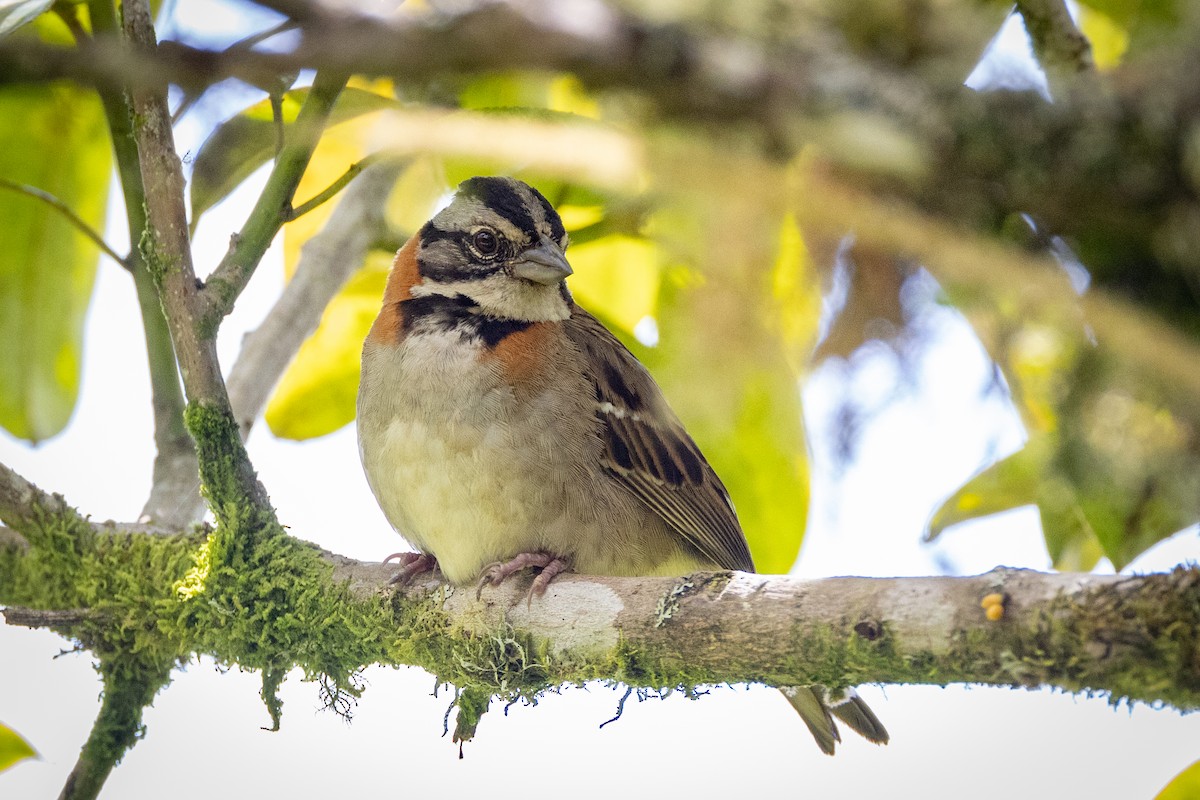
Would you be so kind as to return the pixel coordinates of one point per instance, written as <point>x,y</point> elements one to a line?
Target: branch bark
<point>1079,632</point>
<point>1063,51</point>
<point>326,262</point>
<point>168,253</point>
<point>274,205</point>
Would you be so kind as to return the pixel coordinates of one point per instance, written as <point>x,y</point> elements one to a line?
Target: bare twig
<point>175,470</point>
<point>274,205</point>
<point>66,211</point>
<point>43,618</point>
<point>326,262</point>
<point>331,191</point>
<point>1064,52</point>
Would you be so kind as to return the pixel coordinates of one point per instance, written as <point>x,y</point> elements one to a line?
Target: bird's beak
<point>544,264</point>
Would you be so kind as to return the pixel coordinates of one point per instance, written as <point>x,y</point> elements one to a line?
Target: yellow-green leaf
<point>529,90</point>
<point>55,140</point>
<point>244,143</point>
<point>1109,39</point>
<point>1009,483</point>
<point>1184,786</point>
<point>13,748</point>
<point>317,394</point>
<point>617,278</point>
<point>724,371</point>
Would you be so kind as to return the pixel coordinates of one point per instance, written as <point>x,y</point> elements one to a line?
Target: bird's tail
<point>817,706</point>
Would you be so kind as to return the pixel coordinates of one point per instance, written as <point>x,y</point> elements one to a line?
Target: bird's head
<point>500,244</point>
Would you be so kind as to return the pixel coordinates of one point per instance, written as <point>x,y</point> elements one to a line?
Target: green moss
<point>156,265</point>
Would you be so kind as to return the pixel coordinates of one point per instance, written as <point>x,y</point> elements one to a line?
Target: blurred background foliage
<point>715,250</point>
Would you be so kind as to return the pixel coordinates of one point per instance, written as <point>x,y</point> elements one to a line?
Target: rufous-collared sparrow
<point>502,427</point>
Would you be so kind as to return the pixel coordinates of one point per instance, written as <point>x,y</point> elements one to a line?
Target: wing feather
<point>650,454</point>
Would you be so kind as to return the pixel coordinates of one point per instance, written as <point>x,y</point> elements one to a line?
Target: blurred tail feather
<point>817,708</point>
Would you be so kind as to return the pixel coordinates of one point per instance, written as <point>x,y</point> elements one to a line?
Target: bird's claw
<point>550,565</point>
<point>411,565</point>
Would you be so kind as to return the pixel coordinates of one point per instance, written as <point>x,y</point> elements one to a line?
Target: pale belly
<point>471,475</point>
<point>470,496</point>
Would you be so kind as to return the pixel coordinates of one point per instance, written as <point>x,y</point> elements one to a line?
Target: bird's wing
<point>649,453</point>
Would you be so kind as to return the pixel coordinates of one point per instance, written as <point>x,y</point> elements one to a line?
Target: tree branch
<point>1062,50</point>
<point>1136,638</point>
<point>326,262</point>
<point>274,205</point>
<point>175,473</point>
<point>168,255</point>
<point>1078,632</point>
<point>41,618</point>
<point>22,504</point>
<point>129,686</point>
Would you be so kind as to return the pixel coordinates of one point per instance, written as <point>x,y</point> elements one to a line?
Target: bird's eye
<point>486,242</point>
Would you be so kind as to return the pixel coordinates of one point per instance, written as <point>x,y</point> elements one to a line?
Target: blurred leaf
<point>1112,469</point>
<point>15,13</point>
<point>416,195</point>
<point>1114,26</point>
<point>1184,786</point>
<point>1109,39</point>
<point>539,146</point>
<point>796,288</point>
<point>1009,483</point>
<point>317,394</point>
<point>617,277</point>
<point>13,748</point>
<point>47,266</point>
<point>338,149</point>
<point>242,144</point>
<point>725,358</point>
<point>527,91</point>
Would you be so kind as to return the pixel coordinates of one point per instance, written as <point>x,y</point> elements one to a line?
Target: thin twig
<point>166,245</point>
<point>276,100</point>
<point>274,204</point>
<point>326,262</point>
<point>332,189</point>
<point>258,38</point>
<point>46,618</point>
<point>65,210</point>
<point>1063,51</point>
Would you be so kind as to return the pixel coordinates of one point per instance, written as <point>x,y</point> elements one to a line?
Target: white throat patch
<point>504,297</point>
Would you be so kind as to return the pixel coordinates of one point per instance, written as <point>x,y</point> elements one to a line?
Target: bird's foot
<point>411,565</point>
<point>550,566</point>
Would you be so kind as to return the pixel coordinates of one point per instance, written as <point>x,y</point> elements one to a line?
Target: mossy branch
<point>276,603</point>
<point>129,686</point>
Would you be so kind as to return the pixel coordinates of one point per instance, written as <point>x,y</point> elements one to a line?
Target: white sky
<point>203,733</point>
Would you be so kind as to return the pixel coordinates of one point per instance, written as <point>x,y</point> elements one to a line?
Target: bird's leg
<point>411,565</point>
<point>551,566</point>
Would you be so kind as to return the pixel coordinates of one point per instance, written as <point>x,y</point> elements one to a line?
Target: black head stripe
<point>500,196</point>
<point>557,231</point>
<point>449,270</point>
<point>430,233</point>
